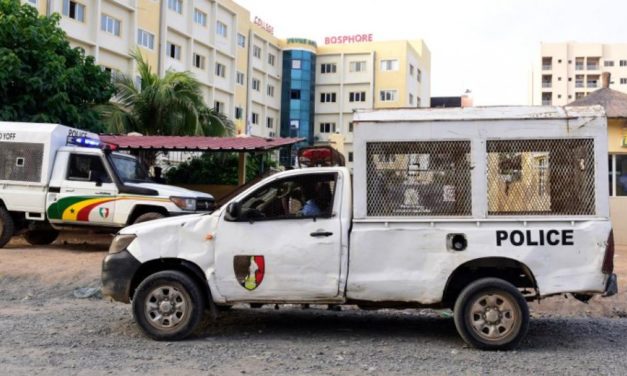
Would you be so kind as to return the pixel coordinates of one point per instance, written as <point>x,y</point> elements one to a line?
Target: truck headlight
<point>120,242</point>
<point>184,203</point>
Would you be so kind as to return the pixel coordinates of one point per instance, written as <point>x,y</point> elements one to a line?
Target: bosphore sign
<point>343,39</point>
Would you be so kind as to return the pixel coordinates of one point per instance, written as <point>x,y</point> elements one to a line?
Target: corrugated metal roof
<point>614,102</point>
<point>198,143</point>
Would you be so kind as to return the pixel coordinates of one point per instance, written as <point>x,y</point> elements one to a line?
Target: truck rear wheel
<point>41,237</point>
<point>148,217</point>
<point>7,227</point>
<point>491,314</point>
<point>168,305</point>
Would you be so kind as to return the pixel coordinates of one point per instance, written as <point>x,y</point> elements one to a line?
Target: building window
<point>239,112</point>
<point>411,70</point>
<point>271,59</point>
<point>270,123</point>
<point>110,25</point>
<point>221,29</point>
<point>623,81</point>
<point>418,75</point>
<point>74,10</point>
<point>357,66</point>
<point>239,78</point>
<point>350,156</point>
<point>327,127</point>
<point>411,99</point>
<point>257,52</point>
<point>255,118</point>
<point>350,126</point>
<point>357,96</point>
<point>389,65</point>
<point>328,68</point>
<point>200,17</point>
<point>174,51</point>
<point>623,63</point>
<point>387,95</point>
<point>176,5</point>
<point>256,84</point>
<point>327,97</point>
<point>220,70</point>
<point>618,168</point>
<point>578,95</point>
<point>294,94</point>
<point>241,40</point>
<point>417,101</point>
<point>199,61</point>
<point>608,63</point>
<point>296,64</point>
<point>547,99</point>
<point>218,106</point>
<point>145,39</point>
<point>32,2</point>
<point>270,91</point>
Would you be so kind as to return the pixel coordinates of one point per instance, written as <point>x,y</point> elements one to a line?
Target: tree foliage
<point>42,78</point>
<point>215,169</point>
<point>169,105</point>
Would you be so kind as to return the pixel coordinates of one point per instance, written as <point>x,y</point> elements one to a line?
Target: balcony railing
<point>592,66</point>
<point>546,84</point>
<point>546,102</point>
<point>547,67</point>
<point>578,66</point>
<point>579,84</point>
<point>593,84</point>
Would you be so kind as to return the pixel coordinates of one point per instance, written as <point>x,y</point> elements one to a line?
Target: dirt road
<point>46,330</point>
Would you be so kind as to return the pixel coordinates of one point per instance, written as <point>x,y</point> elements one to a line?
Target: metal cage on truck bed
<point>481,163</point>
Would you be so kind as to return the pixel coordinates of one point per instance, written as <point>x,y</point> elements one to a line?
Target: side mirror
<point>233,211</point>
<point>98,181</point>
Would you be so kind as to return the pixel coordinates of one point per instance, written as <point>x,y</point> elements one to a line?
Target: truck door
<point>87,193</point>
<point>282,242</point>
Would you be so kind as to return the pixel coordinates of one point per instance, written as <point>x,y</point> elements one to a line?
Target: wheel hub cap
<point>493,316</point>
<point>166,307</point>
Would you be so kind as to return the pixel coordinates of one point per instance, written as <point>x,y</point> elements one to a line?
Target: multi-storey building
<point>268,86</point>
<point>570,71</point>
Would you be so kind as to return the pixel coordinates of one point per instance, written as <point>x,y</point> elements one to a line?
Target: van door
<point>283,243</point>
<point>87,193</point>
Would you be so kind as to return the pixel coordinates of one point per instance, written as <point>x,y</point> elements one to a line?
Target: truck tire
<point>7,226</point>
<point>491,314</point>
<point>168,305</point>
<point>148,217</point>
<point>41,237</point>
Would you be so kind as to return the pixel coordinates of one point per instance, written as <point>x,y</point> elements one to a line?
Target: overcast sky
<point>487,46</point>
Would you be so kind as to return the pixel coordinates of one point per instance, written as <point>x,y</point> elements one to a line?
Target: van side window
<point>303,196</point>
<point>87,168</point>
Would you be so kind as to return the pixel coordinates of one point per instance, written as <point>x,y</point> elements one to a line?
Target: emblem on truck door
<point>249,270</point>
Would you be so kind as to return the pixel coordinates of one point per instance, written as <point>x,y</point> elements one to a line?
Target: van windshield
<point>128,169</point>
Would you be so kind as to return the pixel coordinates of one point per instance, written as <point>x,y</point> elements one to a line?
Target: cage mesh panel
<point>541,177</point>
<point>418,178</point>
<point>30,156</point>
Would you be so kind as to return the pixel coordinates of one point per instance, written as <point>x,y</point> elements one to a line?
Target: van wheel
<point>168,305</point>
<point>41,237</point>
<point>148,217</point>
<point>7,227</point>
<point>491,314</point>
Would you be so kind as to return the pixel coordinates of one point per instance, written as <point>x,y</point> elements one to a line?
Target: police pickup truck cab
<point>478,210</point>
<point>56,178</point>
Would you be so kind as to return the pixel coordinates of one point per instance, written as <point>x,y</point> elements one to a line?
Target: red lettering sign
<point>264,25</point>
<point>343,39</point>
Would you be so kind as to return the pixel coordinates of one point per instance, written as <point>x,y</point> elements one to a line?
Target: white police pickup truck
<point>479,210</point>
<point>56,178</point>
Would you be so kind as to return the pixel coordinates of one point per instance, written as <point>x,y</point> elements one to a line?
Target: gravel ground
<point>44,329</point>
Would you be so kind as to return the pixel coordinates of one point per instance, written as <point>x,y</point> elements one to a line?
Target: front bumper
<point>611,286</point>
<point>118,270</point>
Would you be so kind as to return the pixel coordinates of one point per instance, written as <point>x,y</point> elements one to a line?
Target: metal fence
<point>21,161</point>
<point>418,178</point>
<point>541,177</point>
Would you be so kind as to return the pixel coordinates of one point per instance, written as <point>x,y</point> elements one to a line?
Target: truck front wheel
<point>41,237</point>
<point>491,314</point>
<point>148,217</point>
<point>168,305</point>
<point>7,227</point>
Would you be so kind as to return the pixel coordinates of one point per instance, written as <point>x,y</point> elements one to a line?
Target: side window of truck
<point>87,168</point>
<point>303,196</point>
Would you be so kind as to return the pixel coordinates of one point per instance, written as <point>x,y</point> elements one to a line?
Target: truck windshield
<point>128,169</point>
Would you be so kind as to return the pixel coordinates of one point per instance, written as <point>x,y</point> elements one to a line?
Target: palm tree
<point>170,105</point>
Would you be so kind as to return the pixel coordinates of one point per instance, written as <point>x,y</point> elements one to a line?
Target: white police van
<point>55,178</point>
<point>479,210</point>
